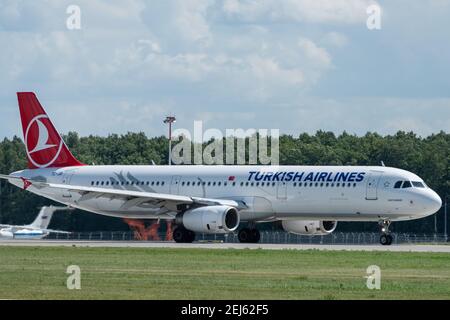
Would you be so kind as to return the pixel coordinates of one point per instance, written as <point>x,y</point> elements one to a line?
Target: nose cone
<point>433,202</point>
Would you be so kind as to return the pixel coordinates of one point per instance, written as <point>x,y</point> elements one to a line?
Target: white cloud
<point>315,11</point>
<point>134,59</point>
<point>315,54</point>
<point>335,39</point>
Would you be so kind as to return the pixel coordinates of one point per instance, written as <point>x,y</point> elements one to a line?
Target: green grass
<point>138,273</point>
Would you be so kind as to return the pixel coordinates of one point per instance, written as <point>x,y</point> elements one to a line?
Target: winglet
<point>26,183</point>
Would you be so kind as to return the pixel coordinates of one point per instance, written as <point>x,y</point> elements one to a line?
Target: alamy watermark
<point>235,146</point>
<point>374,17</point>
<point>373,277</point>
<point>74,278</point>
<point>73,21</point>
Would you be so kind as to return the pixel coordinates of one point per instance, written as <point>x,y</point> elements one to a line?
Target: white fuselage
<point>21,233</point>
<point>341,193</point>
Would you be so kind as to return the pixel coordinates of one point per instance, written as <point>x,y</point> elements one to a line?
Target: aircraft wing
<point>166,202</point>
<point>136,198</point>
<point>6,177</point>
<point>55,231</point>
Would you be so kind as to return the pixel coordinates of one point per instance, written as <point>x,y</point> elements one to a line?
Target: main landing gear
<point>385,238</point>
<point>182,235</point>
<point>249,235</point>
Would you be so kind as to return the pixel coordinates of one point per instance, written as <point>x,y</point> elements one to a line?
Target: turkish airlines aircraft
<point>309,200</point>
<point>36,230</point>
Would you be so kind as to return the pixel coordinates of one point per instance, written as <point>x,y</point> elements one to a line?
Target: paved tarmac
<point>213,245</point>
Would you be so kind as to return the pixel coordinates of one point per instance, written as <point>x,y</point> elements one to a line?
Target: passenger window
<point>398,185</point>
<point>407,184</point>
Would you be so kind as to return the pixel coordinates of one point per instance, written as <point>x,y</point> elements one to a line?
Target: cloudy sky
<point>296,65</point>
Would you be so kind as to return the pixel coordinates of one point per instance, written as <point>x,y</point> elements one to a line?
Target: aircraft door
<point>282,190</point>
<point>175,185</point>
<point>372,185</point>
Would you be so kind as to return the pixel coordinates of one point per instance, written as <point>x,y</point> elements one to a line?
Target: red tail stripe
<point>45,147</point>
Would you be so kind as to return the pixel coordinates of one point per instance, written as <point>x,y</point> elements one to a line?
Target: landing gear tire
<point>385,238</point>
<point>248,235</point>
<point>182,235</point>
<point>255,235</point>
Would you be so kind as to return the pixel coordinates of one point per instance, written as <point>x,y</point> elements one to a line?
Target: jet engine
<point>312,228</point>
<point>210,219</point>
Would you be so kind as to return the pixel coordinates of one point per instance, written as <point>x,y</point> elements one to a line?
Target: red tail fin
<point>45,147</point>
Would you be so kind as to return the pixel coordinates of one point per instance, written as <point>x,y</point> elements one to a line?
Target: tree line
<point>428,157</point>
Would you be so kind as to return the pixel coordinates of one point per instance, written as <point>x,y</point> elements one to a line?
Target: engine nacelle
<point>212,219</point>
<point>311,228</point>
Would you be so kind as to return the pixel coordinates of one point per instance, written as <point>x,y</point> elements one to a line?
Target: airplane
<point>36,230</point>
<point>308,200</point>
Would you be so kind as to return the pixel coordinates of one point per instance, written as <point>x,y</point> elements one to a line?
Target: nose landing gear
<point>385,238</point>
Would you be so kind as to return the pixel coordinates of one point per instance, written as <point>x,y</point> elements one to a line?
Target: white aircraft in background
<point>309,200</point>
<point>36,230</point>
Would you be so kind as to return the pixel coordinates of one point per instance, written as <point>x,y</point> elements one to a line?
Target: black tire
<point>190,236</point>
<point>179,234</point>
<point>255,236</point>
<point>182,235</point>
<point>244,235</point>
<point>390,239</point>
<point>384,239</point>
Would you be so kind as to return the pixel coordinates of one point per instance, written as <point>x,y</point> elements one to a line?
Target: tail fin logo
<point>42,150</point>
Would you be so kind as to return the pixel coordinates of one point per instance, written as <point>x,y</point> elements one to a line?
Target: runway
<point>237,246</point>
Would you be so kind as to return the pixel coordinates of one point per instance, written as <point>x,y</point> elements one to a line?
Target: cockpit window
<point>406,184</point>
<point>418,184</point>
<point>398,184</point>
